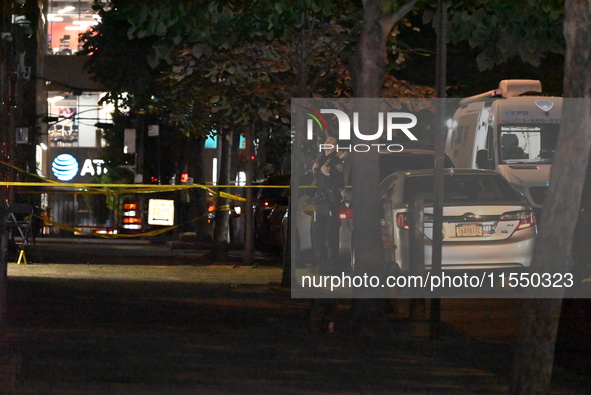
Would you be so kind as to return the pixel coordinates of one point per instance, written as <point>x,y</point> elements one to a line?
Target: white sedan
<point>487,223</point>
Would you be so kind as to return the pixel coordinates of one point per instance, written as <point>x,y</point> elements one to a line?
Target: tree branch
<point>388,21</point>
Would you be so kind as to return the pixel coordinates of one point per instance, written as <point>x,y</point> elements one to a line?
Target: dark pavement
<point>137,318</point>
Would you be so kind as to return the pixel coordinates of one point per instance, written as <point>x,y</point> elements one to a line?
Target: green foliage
<point>231,63</point>
<point>118,63</point>
<point>205,66</point>
<point>116,175</point>
<point>503,29</point>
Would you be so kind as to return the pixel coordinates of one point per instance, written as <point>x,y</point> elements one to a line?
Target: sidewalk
<point>145,328</point>
<point>125,251</point>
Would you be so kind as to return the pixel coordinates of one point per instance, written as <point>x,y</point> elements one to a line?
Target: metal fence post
<point>3,267</point>
<point>417,254</point>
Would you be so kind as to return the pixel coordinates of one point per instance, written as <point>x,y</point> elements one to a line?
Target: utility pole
<point>440,83</point>
<point>6,140</point>
<point>18,57</point>
<point>18,54</point>
<point>249,220</point>
<point>6,95</point>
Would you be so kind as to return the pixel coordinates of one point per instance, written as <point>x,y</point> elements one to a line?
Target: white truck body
<point>512,130</point>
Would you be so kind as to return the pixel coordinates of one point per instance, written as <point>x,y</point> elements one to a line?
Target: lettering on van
<point>531,120</point>
<point>515,113</point>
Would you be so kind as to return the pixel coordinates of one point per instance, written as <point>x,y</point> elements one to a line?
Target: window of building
<point>65,21</point>
<point>75,118</point>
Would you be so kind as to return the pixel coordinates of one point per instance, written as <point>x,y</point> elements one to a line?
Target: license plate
<point>469,230</point>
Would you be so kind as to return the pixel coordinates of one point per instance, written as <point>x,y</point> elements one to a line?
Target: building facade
<point>50,105</point>
<point>52,119</point>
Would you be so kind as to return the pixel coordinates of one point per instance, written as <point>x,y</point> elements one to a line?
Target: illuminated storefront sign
<point>64,167</point>
<point>76,166</point>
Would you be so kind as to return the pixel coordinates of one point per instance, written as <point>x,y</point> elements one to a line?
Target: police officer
<point>325,227</point>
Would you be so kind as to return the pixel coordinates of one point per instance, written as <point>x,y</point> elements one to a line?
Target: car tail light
<point>402,221</point>
<point>526,218</point>
<point>346,213</point>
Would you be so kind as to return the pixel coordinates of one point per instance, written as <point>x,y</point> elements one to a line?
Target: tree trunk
<point>219,252</point>
<point>368,70</point>
<point>3,271</point>
<point>196,203</point>
<point>534,357</point>
<point>197,171</point>
<point>248,213</point>
<point>369,62</point>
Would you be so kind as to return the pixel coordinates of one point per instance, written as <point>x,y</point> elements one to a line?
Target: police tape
<point>25,172</point>
<point>128,188</point>
<point>92,188</point>
<point>55,184</point>
<point>79,231</point>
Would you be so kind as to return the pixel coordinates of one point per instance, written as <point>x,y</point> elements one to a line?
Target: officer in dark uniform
<point>325,227</point>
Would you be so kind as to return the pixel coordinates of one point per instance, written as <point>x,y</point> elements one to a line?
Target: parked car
<point>487,223</point>
<point>410,158</point>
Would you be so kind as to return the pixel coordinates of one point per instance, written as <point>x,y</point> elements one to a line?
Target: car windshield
<point>528,143</point>
<point>463,189</point>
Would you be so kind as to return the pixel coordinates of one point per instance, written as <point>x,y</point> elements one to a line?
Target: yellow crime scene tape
<point>126,189</point>
<point>110,189</point>
<point>154,232</point>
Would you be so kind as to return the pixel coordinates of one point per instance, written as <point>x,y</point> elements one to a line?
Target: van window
<point>527,143</point>
<point>489,141</point>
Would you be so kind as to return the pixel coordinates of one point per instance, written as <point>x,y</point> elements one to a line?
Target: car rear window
<point>462,189</point>
<point>401,161</point>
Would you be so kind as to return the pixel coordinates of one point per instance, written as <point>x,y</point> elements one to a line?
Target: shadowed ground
<point>189,329</point>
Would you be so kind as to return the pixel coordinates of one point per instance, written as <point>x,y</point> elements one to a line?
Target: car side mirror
<point>483,161</point>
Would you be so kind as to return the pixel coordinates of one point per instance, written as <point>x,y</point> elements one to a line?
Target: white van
<point>512,129</point>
